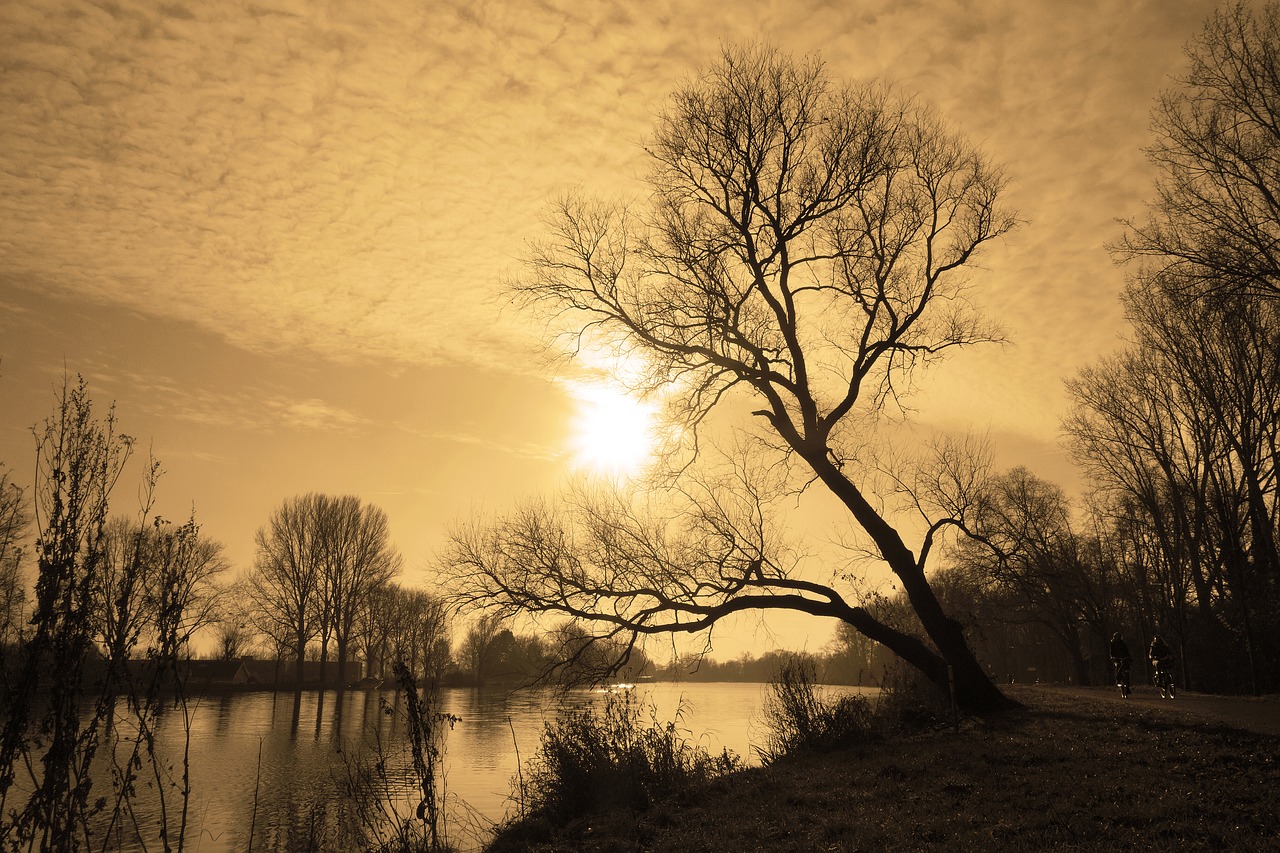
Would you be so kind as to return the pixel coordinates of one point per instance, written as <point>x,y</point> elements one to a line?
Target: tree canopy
<point>803,249</point>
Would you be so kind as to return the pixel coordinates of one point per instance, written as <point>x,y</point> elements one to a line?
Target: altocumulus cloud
<point>352,179</point>
<point>251,408</point>
<point>313,415</point>
<point>349,179</point>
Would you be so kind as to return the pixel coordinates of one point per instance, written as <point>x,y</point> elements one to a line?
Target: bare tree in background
<point>233,627</point>
<point>477,643</point>
<point>409,626</point>
<point>1025,547</point>
<point>377,623</point>
<point>143,574</point>
<point>804,249</point>
<point>321,560</point>
<point>1215,222</point>
<point>426,633</point>
<point>286,583</point>
<point>356,559</point>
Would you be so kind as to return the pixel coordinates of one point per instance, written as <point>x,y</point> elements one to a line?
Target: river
<point>274,762</point>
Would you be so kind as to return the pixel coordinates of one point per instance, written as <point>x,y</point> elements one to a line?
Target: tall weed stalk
<point>377,787</point>
<point>55,728</point>
<point>47,736</point>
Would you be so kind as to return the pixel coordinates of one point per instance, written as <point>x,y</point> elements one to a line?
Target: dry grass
<point>1065,774</point>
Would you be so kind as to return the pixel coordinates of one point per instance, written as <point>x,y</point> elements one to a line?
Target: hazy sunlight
<point>613,433</point>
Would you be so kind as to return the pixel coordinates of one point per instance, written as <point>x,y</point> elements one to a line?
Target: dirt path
<point>1241,712</point>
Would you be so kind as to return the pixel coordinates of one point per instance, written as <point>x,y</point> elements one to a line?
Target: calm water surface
<point>292,749</point>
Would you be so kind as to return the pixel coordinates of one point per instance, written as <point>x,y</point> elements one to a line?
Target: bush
<point>800,720</point>
<point>593,760</point>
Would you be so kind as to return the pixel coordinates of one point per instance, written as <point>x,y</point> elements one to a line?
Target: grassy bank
<point>1066,773</point>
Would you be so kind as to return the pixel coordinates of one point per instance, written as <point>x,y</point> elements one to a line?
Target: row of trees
<point>1179,534</point>
<point>321,561</point>
<point>1179,431</point>
<point>1180,435</point>
<point>322,583</point>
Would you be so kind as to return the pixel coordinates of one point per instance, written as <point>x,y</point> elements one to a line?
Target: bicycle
<point>1122,676</point>
<point>1163,678</point>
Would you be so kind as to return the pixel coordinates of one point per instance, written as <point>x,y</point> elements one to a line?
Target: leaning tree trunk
<point>960,668</point>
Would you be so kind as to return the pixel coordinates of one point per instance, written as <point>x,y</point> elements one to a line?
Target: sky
<point>274,232</point>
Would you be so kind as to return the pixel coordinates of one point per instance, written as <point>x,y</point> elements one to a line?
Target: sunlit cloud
<point>312,415</point>
<point>352,181</point>
<point>522,449</point>
<point>250,409</point>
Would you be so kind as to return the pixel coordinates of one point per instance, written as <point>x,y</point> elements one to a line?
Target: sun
<point>613,433</point>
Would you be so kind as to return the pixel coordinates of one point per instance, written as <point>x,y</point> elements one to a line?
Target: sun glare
<point>613,433</point>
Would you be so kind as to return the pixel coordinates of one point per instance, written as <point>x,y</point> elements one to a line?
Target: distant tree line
<point>840,663</point>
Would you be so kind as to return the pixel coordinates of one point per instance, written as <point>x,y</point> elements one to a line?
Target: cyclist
<point>1161,657</point>
<point>1121,661</point>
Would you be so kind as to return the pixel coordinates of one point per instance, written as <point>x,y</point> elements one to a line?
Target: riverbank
<point>1068,772</point>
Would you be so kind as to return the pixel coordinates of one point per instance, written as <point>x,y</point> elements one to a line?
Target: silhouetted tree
<point>476,651</point>
<point>113,584</point>
<point>1184,427</point>
<point>78,462</point>
<point>356,558</point>
<point>142,574</point>
<point>286,582</point>
<point>804,248</point>
<point>1214,226</point>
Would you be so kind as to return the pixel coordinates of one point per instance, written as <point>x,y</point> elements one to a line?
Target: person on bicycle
<point>1121,661</point>
<point>1161,657</point>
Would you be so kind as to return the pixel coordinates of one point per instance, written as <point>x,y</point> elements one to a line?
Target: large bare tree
<point>286,582</point>
<point>357,559</point>
<point>1215,220</point>
<point>804,248</point>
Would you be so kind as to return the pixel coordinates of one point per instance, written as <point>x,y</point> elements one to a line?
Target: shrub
<point>593,760</point>
<point>799,719</point>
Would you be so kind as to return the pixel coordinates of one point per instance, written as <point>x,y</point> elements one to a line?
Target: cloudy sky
<point>273,231</point>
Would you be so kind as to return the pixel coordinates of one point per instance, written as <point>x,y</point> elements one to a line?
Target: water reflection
<point>276,762</point>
